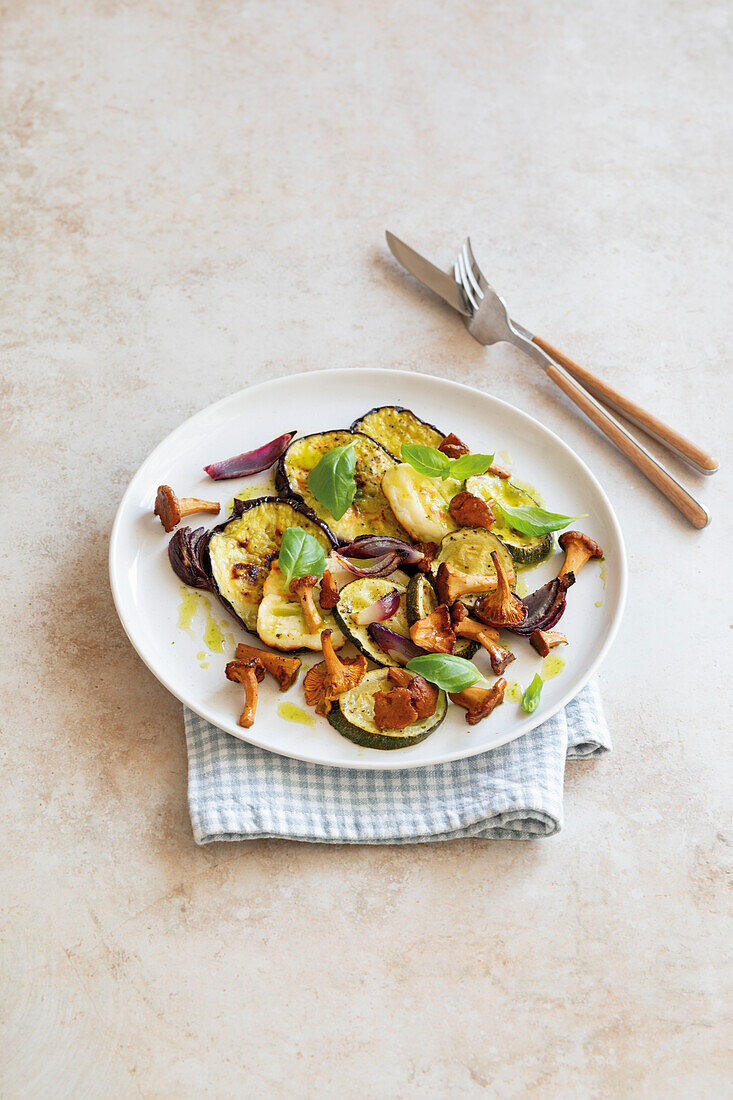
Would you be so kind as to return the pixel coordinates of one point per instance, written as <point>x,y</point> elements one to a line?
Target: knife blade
<point>428,274</point>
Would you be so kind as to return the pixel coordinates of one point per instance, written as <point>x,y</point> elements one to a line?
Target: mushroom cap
<point>393,710</point>
<point>471,511</point>
<point>301,584</point>
<point>435,632</point>
<point>235,670</point>
<point>285,669</point>
<point>320,688</point>
<point>167,507</point>
<point>569,537</point>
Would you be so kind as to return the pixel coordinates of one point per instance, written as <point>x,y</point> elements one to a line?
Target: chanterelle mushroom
<point>171,510</point>
<point>302,588</point>
<point>435,632</point>
<point>451,583</point>
<point>393,710</point>
<point>331,677</point>
<point>248,674</point>
<point>498,471</point>
<point>545,640</point>
<point>453,447</point>
<point>329,595</point>
<point>501,607</point>
<point>578,549</point>
<point>423,694</point>
<point>479,702</point>
<point>471,511</point>
<point>284,669</point>
<point>486,636</point>
<point>428,551</point>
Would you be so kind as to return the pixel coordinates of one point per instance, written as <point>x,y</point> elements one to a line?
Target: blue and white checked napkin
<point>239,792</point>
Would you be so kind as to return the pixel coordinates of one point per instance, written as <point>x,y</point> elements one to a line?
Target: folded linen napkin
<point>239,792</point>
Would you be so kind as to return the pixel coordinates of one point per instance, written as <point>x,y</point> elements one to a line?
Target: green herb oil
<point>187,610</point>
<point>514,692</point>
<point>552,665</point>
<point>293,713</point>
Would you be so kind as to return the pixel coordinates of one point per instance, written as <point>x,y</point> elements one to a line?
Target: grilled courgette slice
<point>370,513</point>
<point>241,550</point>
<point>524,549</point>
<point>421,600</point>
<point>470,550</point>
<point>392,425</point>
<point>353,716</point>
<point>356,597</point>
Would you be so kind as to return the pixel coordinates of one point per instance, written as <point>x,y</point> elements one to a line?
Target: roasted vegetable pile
<point>388,544</point>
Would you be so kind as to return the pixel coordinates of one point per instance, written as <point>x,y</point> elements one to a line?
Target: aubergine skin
<point>398,411</point>
<point>260,565</point>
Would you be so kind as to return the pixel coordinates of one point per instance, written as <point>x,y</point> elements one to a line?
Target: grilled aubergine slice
<point>234,558</point>
<point>370,513</point>
<point>392,425</point>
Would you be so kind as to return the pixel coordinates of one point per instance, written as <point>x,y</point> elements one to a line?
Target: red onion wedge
<point>545,606</point>
<point>379,611</point>
<point>373,546</point>
<point>380,567</point>
<point>251,462</point>
<point>396,646</point>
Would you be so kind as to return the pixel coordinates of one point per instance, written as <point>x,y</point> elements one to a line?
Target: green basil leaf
<point>531,697</point>
<point>300,554</point>
<point>445,671</point>
<point>470,466</point>
<point>426,460</point>
<point>531,520</point>
<point>332,479</point>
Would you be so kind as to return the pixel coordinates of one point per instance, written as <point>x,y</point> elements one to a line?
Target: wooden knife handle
<point>674,492</point>
<point>698,458</point>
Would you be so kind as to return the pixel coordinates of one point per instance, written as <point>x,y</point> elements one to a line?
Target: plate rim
<point>369,764</point>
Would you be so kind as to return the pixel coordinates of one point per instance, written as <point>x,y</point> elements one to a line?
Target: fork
<point>488,322</point>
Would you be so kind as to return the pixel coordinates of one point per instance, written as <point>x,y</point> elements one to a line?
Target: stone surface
<point>193,199</point>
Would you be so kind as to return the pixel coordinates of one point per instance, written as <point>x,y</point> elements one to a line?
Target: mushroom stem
<point>579,548</point>
<point>330,658</point>
<point>248,674</point>
<point>479,702</point>
<point>451,583</point>
<point>501,607</point>
<point>545,640</point>
<point>284,669</point>
<point>302,588</point>
<point>487,637</point>
<point>171,509</point>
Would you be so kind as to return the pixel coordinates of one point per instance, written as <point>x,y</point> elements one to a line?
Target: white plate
<point>148,595</point>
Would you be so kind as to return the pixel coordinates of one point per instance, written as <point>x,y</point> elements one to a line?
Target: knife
<point>432,277</point>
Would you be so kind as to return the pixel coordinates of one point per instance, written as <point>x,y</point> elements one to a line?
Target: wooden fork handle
<point>674,492</point>
<point>654,427</point>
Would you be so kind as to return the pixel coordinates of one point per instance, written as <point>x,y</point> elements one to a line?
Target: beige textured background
<point>193,199</point>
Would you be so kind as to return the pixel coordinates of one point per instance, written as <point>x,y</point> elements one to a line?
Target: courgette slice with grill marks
<point>393,425</point>
<point>524,549</point>
<point>356,597</point>
<point>370,513</point>
<point>421,600</point>
<point>240,551</point>
<point>353,716</point>
<point>470,550</point>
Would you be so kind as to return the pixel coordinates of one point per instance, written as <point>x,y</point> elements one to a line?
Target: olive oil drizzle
<point>291,712</point>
